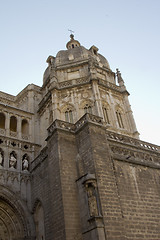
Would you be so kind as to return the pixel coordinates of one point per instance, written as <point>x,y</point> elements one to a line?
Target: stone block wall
<point>95,184</point>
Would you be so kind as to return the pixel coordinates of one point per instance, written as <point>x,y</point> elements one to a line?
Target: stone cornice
<point>73,128</point>
<point>135,156</point>
<point>112,86</point>
<point>7,96</point>
<point>76,83</point>
<point>71,64</point>
<point>18,144</point>
<point>15,108</point>
<point>133,142</point>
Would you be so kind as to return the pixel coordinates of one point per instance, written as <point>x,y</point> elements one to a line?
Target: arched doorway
<point>11,224</point>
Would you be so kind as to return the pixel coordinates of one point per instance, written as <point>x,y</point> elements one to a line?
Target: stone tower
<point>72,166</point>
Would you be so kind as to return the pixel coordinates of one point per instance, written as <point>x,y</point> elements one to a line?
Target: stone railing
<point>13,134</point>
<point>7,96</point>
<point>73,82</point>
<point>132,141</point>
<point>88,118</point>
<point>23,145</point>
<point>59,124</point>
<point>25,137</point>
<point>2,131</point>
<point>109,85</point>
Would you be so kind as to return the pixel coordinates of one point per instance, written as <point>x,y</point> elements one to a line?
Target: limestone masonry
<point>72,166</point>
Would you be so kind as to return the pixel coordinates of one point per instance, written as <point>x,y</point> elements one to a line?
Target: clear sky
<point>126,32</point>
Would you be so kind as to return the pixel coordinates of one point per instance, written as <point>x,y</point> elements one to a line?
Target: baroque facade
<point>72,166</point>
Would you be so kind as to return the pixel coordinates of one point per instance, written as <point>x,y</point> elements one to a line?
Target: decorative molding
<point>17,144</point>
<point>135,157</point>
<point>115,137</point>
<point>59,124</point>
<point>11,176</point>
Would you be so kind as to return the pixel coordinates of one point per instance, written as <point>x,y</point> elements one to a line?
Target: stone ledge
<point>66,126</point>
<point>115,137</point>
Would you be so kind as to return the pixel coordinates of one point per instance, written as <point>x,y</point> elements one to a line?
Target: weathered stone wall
<point>139,195</point>
<point>41,192</point>
<point>95,184</point>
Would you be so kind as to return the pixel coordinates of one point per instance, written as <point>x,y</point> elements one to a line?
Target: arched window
<point>88,109</point>
<point>119,119</point>
<point>39,222</point>
<point>25,127</point>
<point>13,124</point>
<point>2,120</point>
<point>106,115</point>
<point>69,115</point>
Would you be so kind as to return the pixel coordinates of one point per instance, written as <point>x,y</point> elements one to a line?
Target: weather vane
<point>71,31</point>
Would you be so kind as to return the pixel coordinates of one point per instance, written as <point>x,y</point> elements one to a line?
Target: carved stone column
<point>19,127</point>
<point>7,124</point>
<point>55,105</point>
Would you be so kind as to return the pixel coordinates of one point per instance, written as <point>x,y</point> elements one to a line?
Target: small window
<point>2,120</point>
<point>72,45</point>
<point>69,115</point>
<point>95,52</point>
<point>105,115</point>
<point>119,119</point>
<point>88,109</point>
<point>13,124</point>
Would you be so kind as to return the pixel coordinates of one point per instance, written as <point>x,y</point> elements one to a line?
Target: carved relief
<point>129,154</point>
<point>25,163</point>
<point>13,160</point>
<point>91,189</point>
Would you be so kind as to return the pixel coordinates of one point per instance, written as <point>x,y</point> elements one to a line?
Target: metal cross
<point>71,31</point>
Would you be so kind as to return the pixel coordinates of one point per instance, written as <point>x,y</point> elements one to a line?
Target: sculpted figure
<point>25,164</point>
<point>12,161</point>
<point>92,199</point>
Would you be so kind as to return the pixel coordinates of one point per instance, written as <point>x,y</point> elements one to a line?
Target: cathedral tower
<point>72,166</point>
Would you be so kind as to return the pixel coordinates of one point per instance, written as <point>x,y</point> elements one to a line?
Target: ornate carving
<point>2,131</point>
<point>132,141</point>
<point>25,163</point>
<point>135,155</point>
<point>13,160</point>
<point>91,189</point>
<point>74,127</point>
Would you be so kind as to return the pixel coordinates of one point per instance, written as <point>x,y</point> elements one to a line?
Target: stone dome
<point>77,53</point>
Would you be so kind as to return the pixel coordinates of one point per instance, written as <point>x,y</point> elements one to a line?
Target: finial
<point>118,73</point>
<point>71,32</point>
<point>119,77</point>
<point>72,43</point>
<point>72,37</point>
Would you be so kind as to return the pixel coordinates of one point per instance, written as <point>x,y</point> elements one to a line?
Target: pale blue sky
<point>126,32</point>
